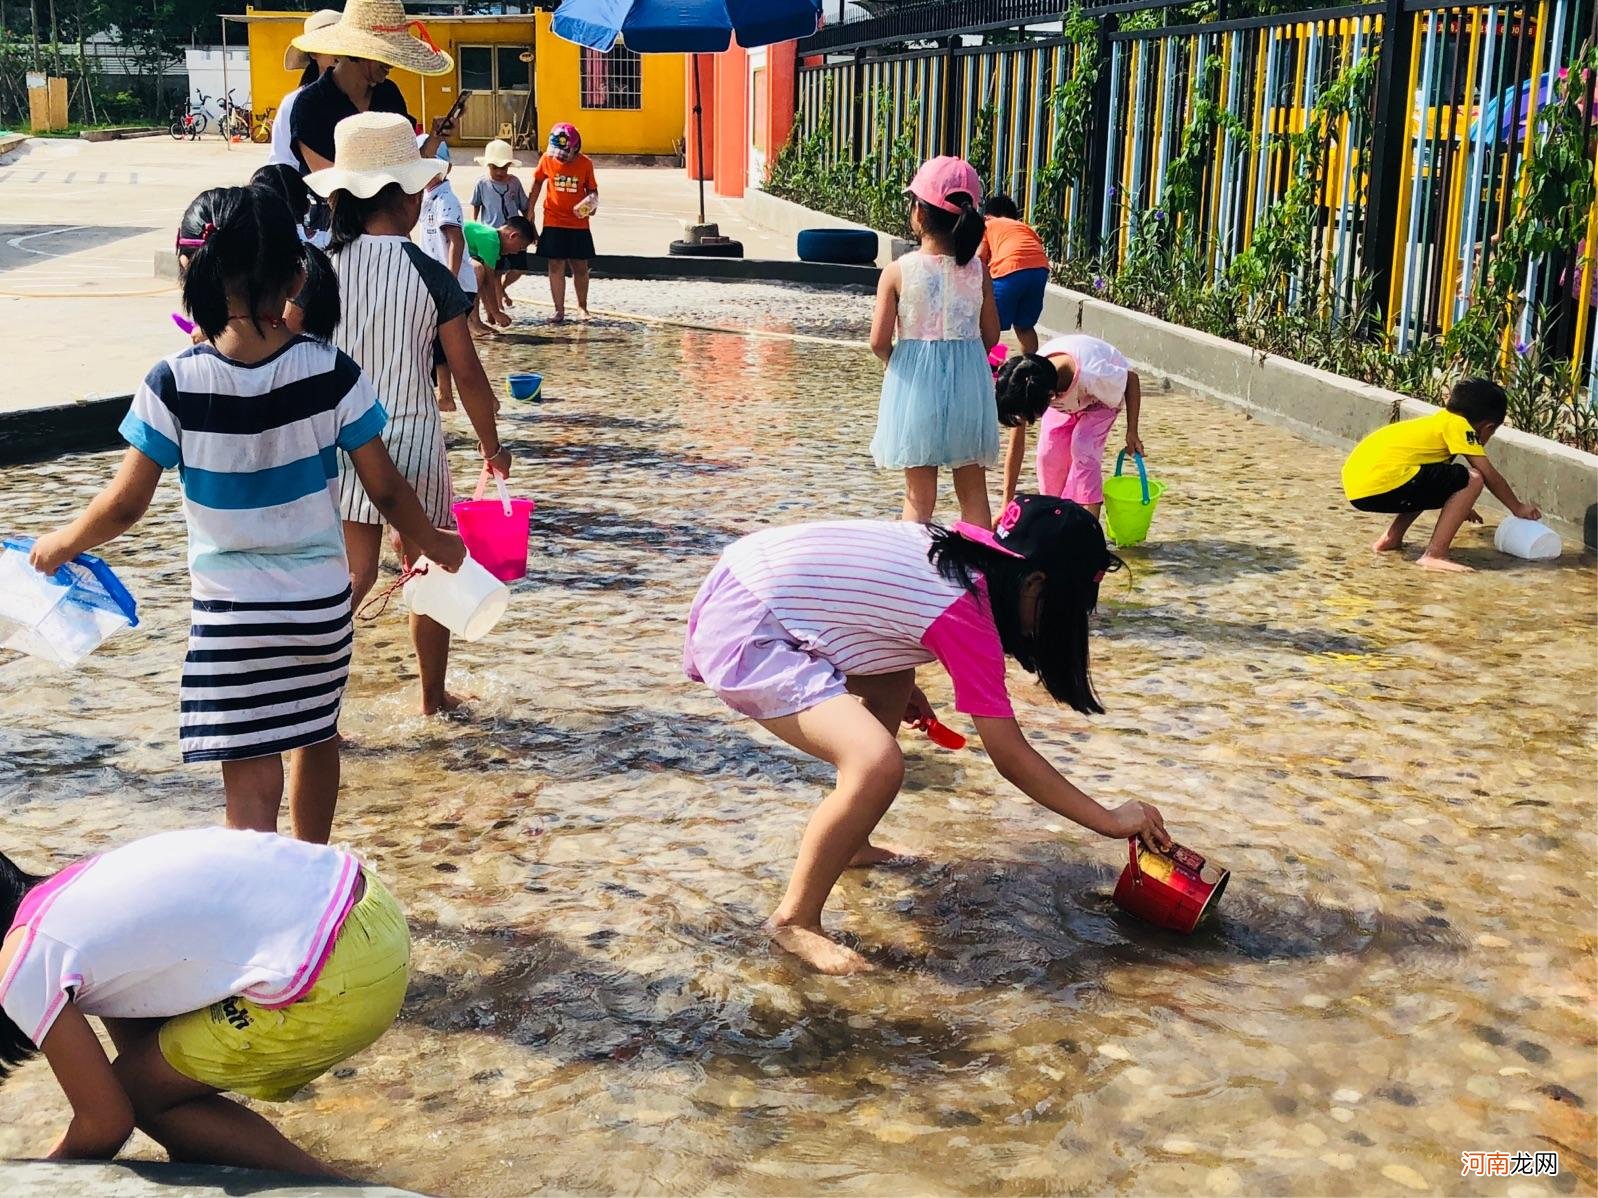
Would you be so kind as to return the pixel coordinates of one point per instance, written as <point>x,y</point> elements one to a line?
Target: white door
<point>758,117</point>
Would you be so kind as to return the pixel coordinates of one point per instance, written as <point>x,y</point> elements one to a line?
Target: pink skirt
<point>739,649</point>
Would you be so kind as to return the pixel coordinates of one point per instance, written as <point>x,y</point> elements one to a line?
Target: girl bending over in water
<point>815,631</point>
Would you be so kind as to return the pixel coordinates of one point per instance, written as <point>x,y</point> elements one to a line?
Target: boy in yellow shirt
<point>1408,468</point>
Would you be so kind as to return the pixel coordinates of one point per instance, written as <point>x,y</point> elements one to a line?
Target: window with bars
<point>613,80</point>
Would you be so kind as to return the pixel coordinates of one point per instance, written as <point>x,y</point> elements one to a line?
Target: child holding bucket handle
<point>1076,385</point>
<point>1407,468</point>
<point>253,416</point>
<point>935,322</point>
<point>815,631</point>
<point>397,302</point>
<point>217,960</point>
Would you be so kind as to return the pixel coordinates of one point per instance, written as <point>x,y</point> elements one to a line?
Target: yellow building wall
<point>653,128</point>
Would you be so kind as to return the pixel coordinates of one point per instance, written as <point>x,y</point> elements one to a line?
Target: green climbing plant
<point>1071,103</point>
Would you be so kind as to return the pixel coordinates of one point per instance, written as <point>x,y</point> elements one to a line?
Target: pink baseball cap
<point>944,176</point>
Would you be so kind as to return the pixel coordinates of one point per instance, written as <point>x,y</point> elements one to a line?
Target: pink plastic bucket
<point>997,355</point>
<point>496,530</point>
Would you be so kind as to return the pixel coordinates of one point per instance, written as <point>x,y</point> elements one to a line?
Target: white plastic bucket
<point>62,617</point>
<point>468,602</point>
<point>1530,539</point>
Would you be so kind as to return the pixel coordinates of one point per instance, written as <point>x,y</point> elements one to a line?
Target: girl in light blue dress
<point>937,406</point>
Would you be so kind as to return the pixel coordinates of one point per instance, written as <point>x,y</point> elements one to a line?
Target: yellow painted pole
<point>1400,244</point>
<point>1584,292</point>
<point>1522,183</point>
<point>1456,201</point>
<point>1257,127</point>
<point>1214,198</point>
<point>1133,78</point>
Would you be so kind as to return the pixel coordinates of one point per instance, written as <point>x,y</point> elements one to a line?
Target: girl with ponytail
<point>934,324</point>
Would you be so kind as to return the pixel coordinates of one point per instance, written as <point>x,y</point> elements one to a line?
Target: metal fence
<point>1412,188</point>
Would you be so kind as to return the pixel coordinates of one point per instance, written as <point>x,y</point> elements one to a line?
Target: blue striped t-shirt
<point>255,447</point>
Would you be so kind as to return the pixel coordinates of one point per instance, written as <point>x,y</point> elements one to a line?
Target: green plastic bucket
<point>1129,502</point>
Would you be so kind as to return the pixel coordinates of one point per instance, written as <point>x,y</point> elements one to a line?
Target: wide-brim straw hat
<point>379,30</point>
<point>295,59</point>
<point>372,150</point>
<point>497,153</point>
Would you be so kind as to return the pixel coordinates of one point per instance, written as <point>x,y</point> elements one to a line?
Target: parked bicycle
<point>235,119</point>
<point>261,125</point>
<point>188,120</point>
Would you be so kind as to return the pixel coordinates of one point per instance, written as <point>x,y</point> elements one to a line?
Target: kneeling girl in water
<point>816,630</point>
<point>217,960</point>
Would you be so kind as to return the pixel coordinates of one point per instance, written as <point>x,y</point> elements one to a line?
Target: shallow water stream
<point>1397,767</point>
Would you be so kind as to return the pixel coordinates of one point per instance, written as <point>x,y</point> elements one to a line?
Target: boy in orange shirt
<point>573,195</point>
<point>1020,268</point>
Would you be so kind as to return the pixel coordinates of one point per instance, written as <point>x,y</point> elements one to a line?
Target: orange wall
<point>732,132</point>
<point>707,102</point>
<point>726,101</point>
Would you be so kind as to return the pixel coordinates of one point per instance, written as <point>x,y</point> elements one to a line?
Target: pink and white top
<point>1099,371</point>
<point>862,595</point>
<point>176,922</point>
<point>939,300</point>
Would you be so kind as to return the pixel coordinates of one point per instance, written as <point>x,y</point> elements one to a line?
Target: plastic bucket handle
<point>499,483</point>
<point>1142,472</point>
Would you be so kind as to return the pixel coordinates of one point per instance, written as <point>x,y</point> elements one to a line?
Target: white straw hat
<point>379,30</point>
<point>497,153</point>
<point>372,150</point>
<point>295,59</point>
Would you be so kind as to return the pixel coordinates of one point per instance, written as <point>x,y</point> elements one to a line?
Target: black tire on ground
<point>843,247</point>
<point>707,249</point>
<point>177,131</point>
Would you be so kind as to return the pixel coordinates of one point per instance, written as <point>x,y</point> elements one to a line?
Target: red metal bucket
<point>1174,891</point>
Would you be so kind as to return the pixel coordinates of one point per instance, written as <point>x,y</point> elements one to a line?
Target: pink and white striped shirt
<point>175,922</point>
<point>862,595</point>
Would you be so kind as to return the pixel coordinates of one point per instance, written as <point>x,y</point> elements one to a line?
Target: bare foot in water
<point>1443,565</point>
<point>817,950</point>
<point>880,854</point>
<point>450,702</point>
<point>1387,543</point>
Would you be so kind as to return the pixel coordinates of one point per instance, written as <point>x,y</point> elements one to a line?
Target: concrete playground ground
<point>81,223</point>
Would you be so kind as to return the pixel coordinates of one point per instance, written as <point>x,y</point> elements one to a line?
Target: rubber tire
<point>707,249</point>
<point>177,131</point>
<point>842,247</point>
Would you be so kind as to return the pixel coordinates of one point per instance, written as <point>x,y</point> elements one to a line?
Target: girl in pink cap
<point>816,630</point>
<point>934,324</point>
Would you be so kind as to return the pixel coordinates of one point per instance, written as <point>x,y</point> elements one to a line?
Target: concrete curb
<point>11,141</point>
<point>37,433</point>
<point>150,1179</point>
<point>98,135</point>
<point>784,216</point>
<point>1319,405</point>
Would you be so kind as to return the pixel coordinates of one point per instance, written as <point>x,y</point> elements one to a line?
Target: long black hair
<point>15,1047</point>
<point>964,229</point>
<point>241,240</point>
<point>1058,652</point>
<point>318,300</point>
<point>288,184</point>
<point>1025,385</point>
<point>351,213</point>
<point>311,73</point>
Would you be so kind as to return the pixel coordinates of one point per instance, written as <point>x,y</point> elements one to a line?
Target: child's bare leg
<point>446,394</point>
<point>920,493</point>
<point>506,278</point>
<point>580,284</point>
<point>841,731</point>
<point>1028,339</point>
<point>1393,538</point>
<point>971,489</point>
<point>1455,512</point>
<point>886,696</point>
<point>557,286</point>
<point>254,789</point>
<point>313,790</point>
<point>193,1122</point>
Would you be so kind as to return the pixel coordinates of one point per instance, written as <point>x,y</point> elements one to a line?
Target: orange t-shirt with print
<point>565,185</point>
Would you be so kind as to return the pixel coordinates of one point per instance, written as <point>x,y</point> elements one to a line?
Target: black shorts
<point>1433,486</point>
<point>566,243</point>
<point>522,262</point>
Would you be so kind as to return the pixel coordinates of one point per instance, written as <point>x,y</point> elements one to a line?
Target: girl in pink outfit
<point>816,630</point>
<point>1077,385</point>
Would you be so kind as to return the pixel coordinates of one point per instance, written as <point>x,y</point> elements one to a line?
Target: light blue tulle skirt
<point>937,407</point>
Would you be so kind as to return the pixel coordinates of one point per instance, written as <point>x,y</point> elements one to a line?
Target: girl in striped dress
<point>816,630</point>
<point>254,416</point>
<point>397,303</point>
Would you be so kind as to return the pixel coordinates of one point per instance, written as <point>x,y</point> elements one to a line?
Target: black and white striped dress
<point>394,298</point>
<point>257,445</point>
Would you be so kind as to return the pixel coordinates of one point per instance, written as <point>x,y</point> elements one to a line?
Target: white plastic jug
<point>468,602</point>
<point>1530,539</point>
